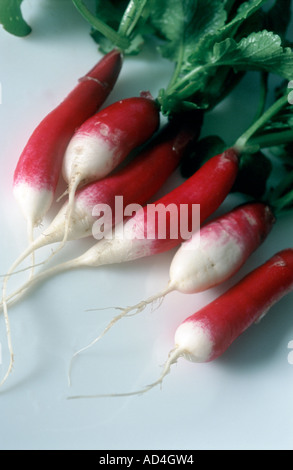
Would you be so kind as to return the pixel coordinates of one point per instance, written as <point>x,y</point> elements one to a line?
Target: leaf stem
<point>185,82</point>
<point>242,141</point>
<point>131,16</point>
<point>120,41</point>
<point>272,139</point>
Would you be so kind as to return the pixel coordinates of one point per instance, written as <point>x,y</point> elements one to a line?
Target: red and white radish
<point>208,333</point>
<point>39,166</point>
<point>212,255</point>
<point>104,140</point>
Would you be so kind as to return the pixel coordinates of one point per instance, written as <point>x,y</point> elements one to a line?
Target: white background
<point>241,401</point>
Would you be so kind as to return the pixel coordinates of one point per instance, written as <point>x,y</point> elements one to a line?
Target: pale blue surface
<point>242,401</point>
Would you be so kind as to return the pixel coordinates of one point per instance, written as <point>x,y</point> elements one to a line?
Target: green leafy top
<point>221,46</point>
<point>212,43</point>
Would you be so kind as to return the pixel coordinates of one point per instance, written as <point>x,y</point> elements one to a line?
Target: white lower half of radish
<point>125,243</point>
<point>193,341</point>
<point>89,157</point>
<point>34,202</point>
<point>206,259</point>
<point>116,251</point>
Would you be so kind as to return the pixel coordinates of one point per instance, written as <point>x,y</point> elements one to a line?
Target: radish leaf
<point>184,23</point>
<point>11,18</point>
<point>259,51</point>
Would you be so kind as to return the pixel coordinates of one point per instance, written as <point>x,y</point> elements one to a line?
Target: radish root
<point>173,357</point>
<point>60,268</point>
<point>138,308</point>
<point>12,271</point>
<point>4,300</point>
<point>62,195</point>
<point>8,333</point>
<point>31,242</point>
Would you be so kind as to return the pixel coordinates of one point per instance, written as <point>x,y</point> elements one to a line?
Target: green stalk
<point>185,83</point>
<point>241,143</point>
<point>272,139</point>
<point>120,42</point>
<point>131,16</point>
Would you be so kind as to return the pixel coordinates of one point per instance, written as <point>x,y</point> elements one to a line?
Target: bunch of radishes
<point>86,145</point>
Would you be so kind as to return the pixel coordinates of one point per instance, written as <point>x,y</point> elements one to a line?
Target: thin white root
<point>62,195</point>
<point>30,229</point>
<point>15,295</point>
<point>138,308</point>
<point>22,290</point>
<point>31,242</point>
<point>19,271</point>
<point>8,332</point>
<point>30,250</point>
<point>10,348</point>
<point>12,270</point>
<point>173,357</point>
<point>18,293</point>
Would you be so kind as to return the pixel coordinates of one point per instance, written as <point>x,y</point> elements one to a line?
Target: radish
<point>39,166</point>
<point>105,140</point>
<point>208,333</point>
<point>212,255</point>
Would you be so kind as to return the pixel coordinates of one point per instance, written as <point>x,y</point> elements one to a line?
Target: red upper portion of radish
<point>121,123</point>
<point>40,162</point>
